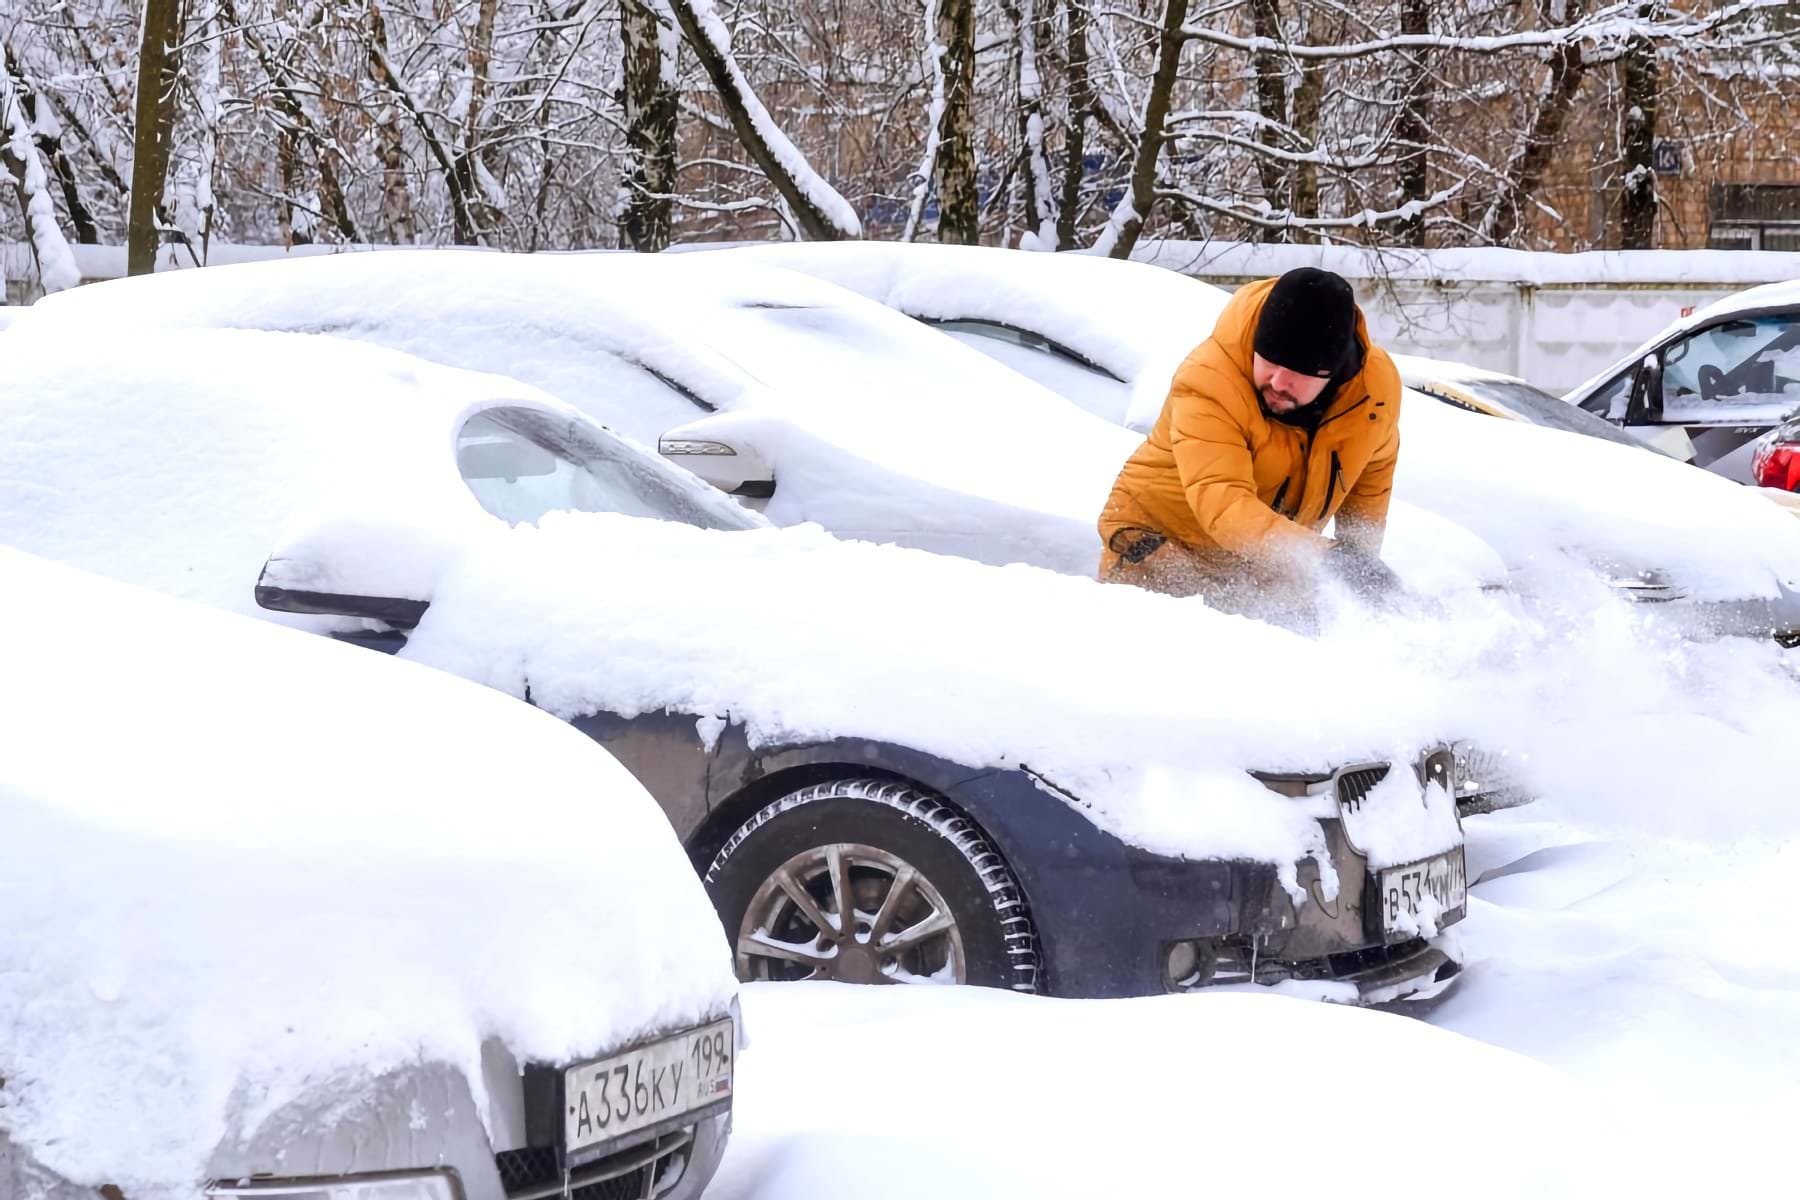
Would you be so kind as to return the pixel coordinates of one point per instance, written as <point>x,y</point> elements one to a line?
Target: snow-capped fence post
<point>19,156</point>
<point>823,214</point>
<point>154,116</point>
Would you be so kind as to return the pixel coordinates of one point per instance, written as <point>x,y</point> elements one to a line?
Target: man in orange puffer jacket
<point>1286,417</point>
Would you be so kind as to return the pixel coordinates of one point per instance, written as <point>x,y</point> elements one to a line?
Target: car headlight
<point>737,1023</point>
<point>381,1185</point>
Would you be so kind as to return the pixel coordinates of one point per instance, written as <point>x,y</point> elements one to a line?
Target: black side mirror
<point>1644,406</point>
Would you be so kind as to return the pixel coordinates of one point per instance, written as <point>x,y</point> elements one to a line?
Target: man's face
<point>1282,390</point>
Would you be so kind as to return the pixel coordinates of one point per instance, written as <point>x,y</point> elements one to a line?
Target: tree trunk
<point>1272,103</point>
<point>651,103</point>
<point>819,211</point>
<point>1038,191</point>
<point>298,221</point>
<point>1081,99</point>
<point>959,199</point>
<point>468,217</point>
<point>1128,218</point>
<point>396,197</point>
<point>1413,128</point>
<point>189,200</point>
<point>155,112</point>
<point>1303,178</point>
<point>1525,169</point>
<point>1637,202</point>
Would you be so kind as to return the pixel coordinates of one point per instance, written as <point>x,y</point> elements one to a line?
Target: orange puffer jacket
<point>1238,486</point>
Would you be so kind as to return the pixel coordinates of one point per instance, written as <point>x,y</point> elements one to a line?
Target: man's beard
<point>1289,402</point>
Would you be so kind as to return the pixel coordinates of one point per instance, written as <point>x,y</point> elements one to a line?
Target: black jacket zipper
<point>1331,483</point>
<point>1280,495</point>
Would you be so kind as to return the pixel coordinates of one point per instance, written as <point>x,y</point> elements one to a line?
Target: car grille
<point>522,1170</point>
<point>535,1171</point>
<point>1355,784</point>
<point>1354,962</point>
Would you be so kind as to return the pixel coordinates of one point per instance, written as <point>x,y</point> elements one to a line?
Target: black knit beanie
<point>1308,322</point>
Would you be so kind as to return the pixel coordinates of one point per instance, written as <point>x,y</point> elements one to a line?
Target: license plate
<point>649,1087</point>
<point>1415,898</point>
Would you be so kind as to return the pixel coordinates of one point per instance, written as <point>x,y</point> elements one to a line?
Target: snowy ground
<point>1629,1024</point>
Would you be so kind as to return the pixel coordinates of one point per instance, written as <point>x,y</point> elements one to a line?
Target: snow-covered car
<point>1712,382</point>
<point>816,385</point>
<point>283,920</point>
<point>1541,508</point>
<point>889,765</point>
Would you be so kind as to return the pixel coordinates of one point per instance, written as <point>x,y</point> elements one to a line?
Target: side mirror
<point>719,450</point>
<point>382,563</point>
<point>1644,407</point>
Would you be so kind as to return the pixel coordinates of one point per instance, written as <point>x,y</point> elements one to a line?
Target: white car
<point>1715,381</point>
<point>816,386</point>
<point>1535,502</point>
<point>288,919</point>
<point>889,765</point>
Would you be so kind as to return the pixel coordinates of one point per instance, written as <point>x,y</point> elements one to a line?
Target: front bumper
<point>424,1119</point>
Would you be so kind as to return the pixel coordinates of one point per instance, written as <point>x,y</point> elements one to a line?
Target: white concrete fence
<point>1555,319</point>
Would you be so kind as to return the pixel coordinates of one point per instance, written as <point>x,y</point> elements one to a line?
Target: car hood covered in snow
<point>247,868</point>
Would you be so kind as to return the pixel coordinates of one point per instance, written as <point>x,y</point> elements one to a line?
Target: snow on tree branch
<point>821,211</point>
<point>19,155</point>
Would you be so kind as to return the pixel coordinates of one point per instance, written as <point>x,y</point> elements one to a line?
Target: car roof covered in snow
<point>247,867</point>
<point>176,459</point>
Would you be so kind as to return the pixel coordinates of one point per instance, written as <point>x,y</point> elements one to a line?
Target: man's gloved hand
<point>1362,572</point>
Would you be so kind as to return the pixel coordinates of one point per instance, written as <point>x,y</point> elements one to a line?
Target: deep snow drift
<point>244,865</point>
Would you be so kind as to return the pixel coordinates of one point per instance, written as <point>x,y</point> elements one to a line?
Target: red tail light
<point>1777,465</point>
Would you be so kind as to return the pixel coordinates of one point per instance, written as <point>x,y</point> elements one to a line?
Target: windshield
<point>1056,367</point>
<point>1541,408</point>
<point>522,463</point>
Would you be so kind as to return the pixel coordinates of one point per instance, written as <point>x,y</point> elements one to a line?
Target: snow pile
<point>246,866</point>
<point>987,1094</point>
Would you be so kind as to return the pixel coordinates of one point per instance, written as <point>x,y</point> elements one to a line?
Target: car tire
<point>930,898</point>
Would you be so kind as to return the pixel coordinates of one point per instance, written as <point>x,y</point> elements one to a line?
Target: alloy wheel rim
<point>899,928</point>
